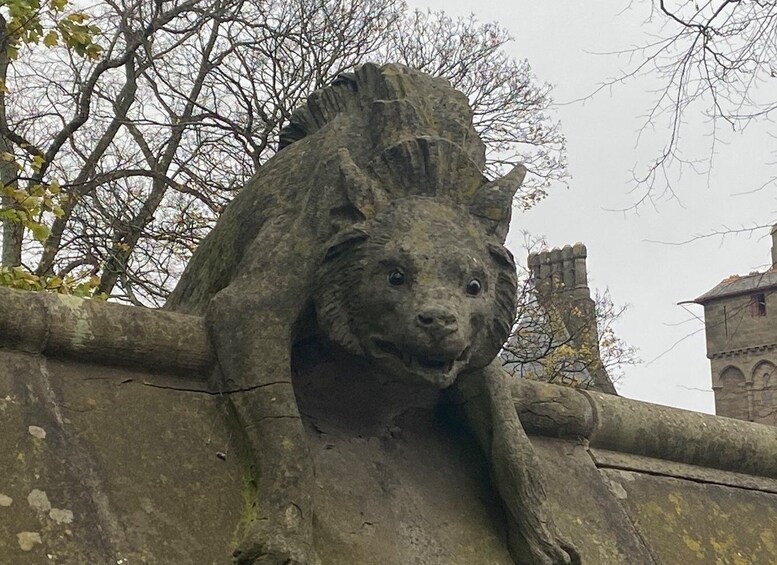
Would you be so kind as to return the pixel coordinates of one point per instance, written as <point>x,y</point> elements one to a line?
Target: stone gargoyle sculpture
<point>375,227</point>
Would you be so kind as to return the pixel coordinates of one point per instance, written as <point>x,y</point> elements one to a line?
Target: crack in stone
<point>214,393</point>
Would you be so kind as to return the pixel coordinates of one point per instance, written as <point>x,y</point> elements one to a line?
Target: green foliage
<point>31,23</point>
<point>22,279</point>
<point>31,202</point>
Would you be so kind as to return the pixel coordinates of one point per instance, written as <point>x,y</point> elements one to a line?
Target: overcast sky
<point>563,41</point>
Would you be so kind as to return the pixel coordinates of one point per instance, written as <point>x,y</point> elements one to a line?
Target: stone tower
<point>740,317</point>
<point>561,282</point>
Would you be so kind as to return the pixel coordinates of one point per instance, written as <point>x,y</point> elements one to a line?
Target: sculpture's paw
<point>561,553</point>
<point>541,547</point>
<point>264,545</point>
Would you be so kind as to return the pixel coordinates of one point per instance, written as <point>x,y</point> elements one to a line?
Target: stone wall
<point>738,328</point>
<point>111,456</point>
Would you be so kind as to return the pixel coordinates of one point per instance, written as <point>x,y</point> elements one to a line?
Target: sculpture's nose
<point>437,321</point>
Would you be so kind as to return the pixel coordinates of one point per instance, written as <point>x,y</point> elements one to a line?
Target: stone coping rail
<point>95,331</point>
<point>101,332</point>
<point>641,428</point>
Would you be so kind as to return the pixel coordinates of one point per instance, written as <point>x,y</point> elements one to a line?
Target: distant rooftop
<point>736,285</point>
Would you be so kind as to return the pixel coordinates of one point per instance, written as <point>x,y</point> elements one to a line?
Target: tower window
<point>758,305</point>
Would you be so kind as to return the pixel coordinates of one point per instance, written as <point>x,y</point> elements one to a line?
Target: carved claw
<point>571,551</point>
<point>265,545</point>
<point>538,546</point>
<point>561,553</point>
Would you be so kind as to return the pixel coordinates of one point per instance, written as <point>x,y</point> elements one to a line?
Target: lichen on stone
<point>39,501</point>
<point>61,515</point>
<point>27,540</point>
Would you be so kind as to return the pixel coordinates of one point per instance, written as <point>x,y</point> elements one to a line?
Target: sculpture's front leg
<point>252,339</point>
<point>490,411</point>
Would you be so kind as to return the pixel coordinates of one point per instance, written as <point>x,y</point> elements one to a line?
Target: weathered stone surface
<point>27,540</point>
<point>374,233</point>
<point>553,410</point>
<point>684,521</point>
<point>151,475</point>
<point>35,472</point>
<point>143,467</point>
<point>654,466</point>
<point>680,435</point>
<point>585,507</point>
<point>92,330</point>
<point>127,470</point>
<point>417,489</point>
<point>355,306</point>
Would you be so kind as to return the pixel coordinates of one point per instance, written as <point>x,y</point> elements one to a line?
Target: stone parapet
<point>132,464</point>
<point>93,330</point>
<point>641,428</point>
<point>106,333</point>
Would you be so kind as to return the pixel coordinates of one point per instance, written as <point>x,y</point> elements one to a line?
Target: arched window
<point>731,395</point>
<point>764,389</point>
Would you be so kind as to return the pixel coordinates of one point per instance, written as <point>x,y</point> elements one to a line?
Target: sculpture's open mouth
<point>416,361</point>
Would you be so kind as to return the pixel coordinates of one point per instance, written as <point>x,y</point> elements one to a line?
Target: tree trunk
<point>13,231</point>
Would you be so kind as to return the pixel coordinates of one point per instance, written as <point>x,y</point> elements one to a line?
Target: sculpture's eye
<point>396,277</point>
<point>474,287</point>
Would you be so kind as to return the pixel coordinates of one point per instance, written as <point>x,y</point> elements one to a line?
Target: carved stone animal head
<point>414,275</point>
<point>419,290</point>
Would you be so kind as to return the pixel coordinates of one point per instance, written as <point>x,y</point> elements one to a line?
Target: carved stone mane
<point>375,135</point>
<point>419,127</point>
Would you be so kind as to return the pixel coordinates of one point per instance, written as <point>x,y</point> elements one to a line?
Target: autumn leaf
<point>51,39</point>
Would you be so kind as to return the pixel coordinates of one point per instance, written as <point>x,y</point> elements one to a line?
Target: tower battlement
<point>561,270</point>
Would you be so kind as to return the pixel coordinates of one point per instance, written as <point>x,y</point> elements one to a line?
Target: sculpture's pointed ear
<point>493,202</point>
<point>344,242</point>
<point>502,256</point>
<point>363,192</point>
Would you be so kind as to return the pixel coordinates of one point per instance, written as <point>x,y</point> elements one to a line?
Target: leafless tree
<point>714,59</point>
<point>149,141</point>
